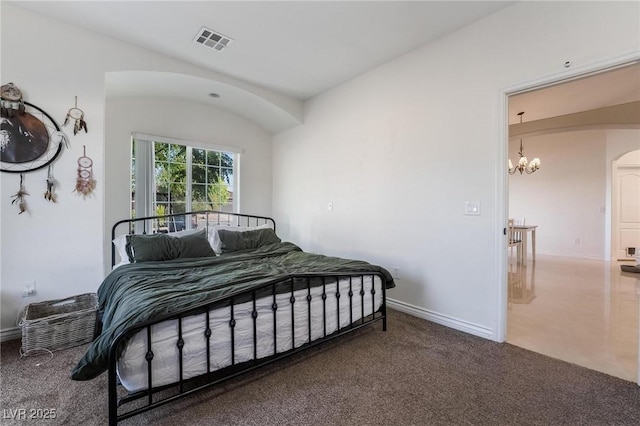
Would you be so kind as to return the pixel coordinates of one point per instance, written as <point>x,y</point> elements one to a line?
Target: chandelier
<point>523,164</point>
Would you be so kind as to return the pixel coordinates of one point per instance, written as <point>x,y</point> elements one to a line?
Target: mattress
<point>132,366</point>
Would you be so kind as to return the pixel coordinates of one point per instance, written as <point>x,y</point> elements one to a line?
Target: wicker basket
<point>59,324</point>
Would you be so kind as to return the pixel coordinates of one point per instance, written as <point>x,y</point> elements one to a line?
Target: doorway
<point>625,206</point>
<point>553,281</point>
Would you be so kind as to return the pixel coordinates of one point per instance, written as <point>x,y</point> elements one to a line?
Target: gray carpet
<point>417,373</point>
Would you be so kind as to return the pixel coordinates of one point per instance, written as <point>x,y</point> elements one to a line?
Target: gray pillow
<point>195,245</point>
<point>233,240</point>
<point>154,247</point>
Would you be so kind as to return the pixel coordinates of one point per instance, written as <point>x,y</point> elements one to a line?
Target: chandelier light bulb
<point>534,165</point>
<point>523,163</point>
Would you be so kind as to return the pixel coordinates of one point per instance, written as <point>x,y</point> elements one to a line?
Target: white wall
<point>62,246</point>
<point>566,198</point>
<point>569,198</point>
<point>400,149</point>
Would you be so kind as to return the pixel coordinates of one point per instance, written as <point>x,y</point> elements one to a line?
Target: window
<point>171,176</point>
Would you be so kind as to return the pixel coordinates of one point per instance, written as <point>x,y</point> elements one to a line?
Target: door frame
<point>501,176</point>
<point>615,202</point>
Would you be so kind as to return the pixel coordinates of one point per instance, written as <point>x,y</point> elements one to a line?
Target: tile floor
<point>581,311</point>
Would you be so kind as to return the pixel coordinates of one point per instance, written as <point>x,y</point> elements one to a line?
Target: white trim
<point>455,323</point>
<point>189,177</point>
<point>236,183</point>
<point>10,334</point>
<point>144,180</point>
<point>572,74</point>
<point>502,212</point>
<point>145,160</point>
<point>186,142</point>
<point>573,255</point>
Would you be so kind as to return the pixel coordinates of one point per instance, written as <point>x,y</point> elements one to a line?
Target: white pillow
<point>120,242</point>
<point>214,238</point>
<point>184,232</point>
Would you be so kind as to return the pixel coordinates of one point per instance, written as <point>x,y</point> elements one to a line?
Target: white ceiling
<point>603,89</point>
<point>302,48</point>
<point>297,48</point>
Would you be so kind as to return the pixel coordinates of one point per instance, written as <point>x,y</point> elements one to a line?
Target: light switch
<point>472,208</point>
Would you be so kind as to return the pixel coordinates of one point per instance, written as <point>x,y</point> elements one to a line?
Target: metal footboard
<point>353,283</point>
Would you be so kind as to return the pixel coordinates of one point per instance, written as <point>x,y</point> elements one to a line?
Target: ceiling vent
<point>212,39</point>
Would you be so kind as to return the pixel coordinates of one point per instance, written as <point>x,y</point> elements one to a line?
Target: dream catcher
<point>76,114</point>
<point>85,184</point>
<point>29,138</point>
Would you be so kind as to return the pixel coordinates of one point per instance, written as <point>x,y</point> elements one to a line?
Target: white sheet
<point>132,366</point>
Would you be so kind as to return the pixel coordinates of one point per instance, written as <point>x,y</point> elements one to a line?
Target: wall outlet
<point>330,207</point>
<point>472,208</point>
<point>29,289</point>
<point>576,241</point>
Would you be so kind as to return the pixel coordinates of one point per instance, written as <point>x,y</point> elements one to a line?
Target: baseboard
<point>571,255</point>
<point>10,334</point>
<point>455,323</point>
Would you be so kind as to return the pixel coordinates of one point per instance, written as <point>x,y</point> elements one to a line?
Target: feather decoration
<point>18,197</point>
<point>85,186</point>
<point>49,195</point>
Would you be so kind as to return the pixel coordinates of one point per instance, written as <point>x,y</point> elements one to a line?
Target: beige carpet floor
<point>417,373</point>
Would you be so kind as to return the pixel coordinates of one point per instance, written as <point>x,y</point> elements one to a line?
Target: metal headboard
<point>182,221</point>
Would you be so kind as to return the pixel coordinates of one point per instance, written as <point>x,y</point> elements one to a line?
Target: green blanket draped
<point>141,291</point>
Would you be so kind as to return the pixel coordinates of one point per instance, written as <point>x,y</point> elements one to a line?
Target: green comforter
<point>141,291</point>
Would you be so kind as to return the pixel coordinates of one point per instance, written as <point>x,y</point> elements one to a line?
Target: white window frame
<point>144,172</point>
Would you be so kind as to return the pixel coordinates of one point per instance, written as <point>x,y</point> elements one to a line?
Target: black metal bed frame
<point>151,397</point>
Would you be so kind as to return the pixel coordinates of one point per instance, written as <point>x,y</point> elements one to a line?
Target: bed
<point>183,311</point>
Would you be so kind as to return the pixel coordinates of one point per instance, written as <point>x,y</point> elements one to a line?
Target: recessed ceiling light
<point>214,95</point>
<point>212,39</point>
